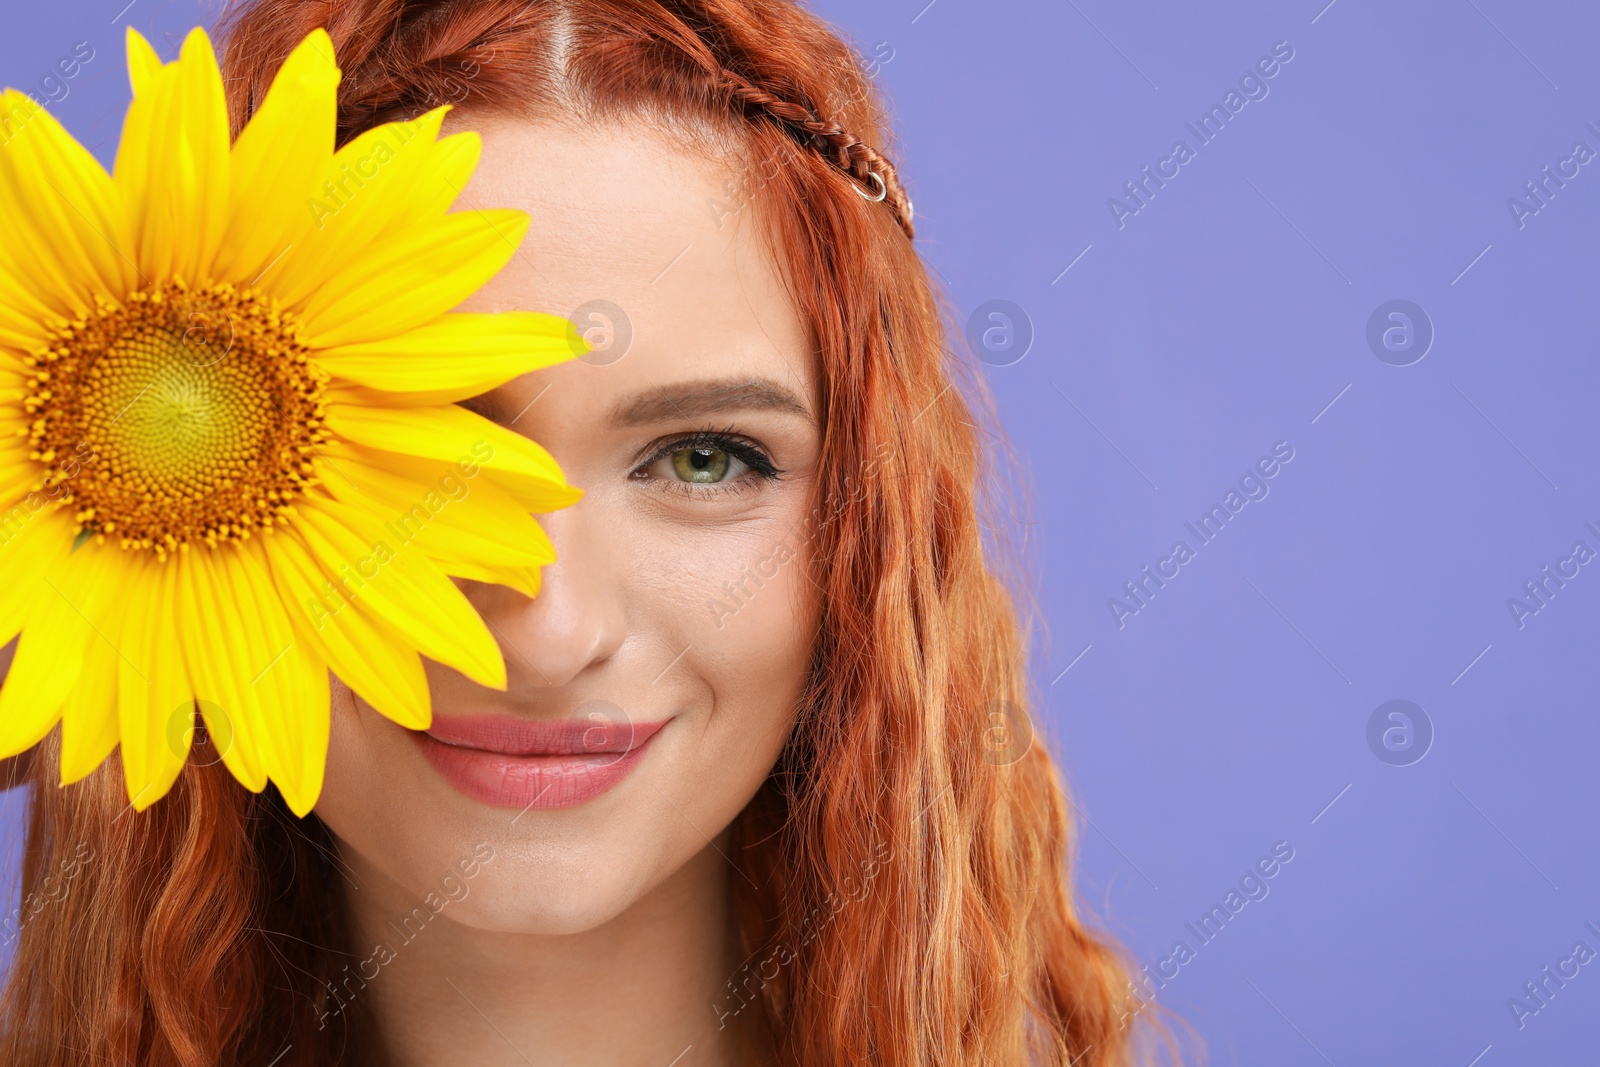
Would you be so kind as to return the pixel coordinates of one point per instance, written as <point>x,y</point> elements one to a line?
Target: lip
<point>507,762</point>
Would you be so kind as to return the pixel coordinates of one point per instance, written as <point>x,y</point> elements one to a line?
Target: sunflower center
<point>181,415</point>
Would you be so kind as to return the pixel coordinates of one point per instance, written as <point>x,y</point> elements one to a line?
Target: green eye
<point>701,464</point>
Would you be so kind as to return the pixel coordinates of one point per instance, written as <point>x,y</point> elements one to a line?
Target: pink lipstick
<point>509,762</point>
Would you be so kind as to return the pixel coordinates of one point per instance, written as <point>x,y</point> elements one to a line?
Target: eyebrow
<point>689,400</point>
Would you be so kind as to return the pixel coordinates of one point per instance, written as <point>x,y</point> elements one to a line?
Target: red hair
<point>914,903</point>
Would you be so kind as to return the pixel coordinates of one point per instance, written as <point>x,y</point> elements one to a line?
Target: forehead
<point>623,214</point>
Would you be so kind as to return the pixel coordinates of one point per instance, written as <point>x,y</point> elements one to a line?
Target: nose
<point>578,618</point>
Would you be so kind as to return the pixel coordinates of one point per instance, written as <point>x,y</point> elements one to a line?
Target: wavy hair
<point>912,847</point>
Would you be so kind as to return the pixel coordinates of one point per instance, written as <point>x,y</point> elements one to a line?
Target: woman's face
<point>680,595</point>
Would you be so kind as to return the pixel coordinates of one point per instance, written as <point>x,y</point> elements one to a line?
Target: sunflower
<point>231,460</point>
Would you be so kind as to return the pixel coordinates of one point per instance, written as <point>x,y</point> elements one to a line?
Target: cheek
<point>741,602</point>
<point>389,836</point>
<point>355,773</point>
<point>751,643</point>
<point>370,797</point>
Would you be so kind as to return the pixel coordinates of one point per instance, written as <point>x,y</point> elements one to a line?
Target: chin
<point>546,903</point>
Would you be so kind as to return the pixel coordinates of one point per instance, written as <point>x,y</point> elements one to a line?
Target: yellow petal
<point>144,65</point>
<point>89,725</point>
<point>368,655</point>
<point>222,658</point>
<point>154,697</point>
<point>458,355</point>
<point>17,481</point>
<point>274,637</point>
<point>173,165</point>
<point>443,173</point>
<point>49,656</point>
<point>29,295</point>
<point>21,330</point>
<point>33,544</point>
<point>368,189</point>
<point>62,219</point>
<point>398,584</point>
<point>301,682</point>
<point>525,580</point>
<point>56,188</point>
<point>454,434</point>
<point>448,510</point>
<point>413,277</point>
<point>89,721</point>
<point>279,158</point>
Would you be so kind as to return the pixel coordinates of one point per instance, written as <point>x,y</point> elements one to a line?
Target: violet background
<point>1167,355</point>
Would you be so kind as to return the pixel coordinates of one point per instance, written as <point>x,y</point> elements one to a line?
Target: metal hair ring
<point>883,190</point>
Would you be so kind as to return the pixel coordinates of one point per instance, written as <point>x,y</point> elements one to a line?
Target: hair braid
<point>852,155</point>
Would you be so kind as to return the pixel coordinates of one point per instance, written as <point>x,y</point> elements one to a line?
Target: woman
<point>759,788</point>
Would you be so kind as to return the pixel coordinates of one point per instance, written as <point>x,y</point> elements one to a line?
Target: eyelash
<point>761,466</point>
